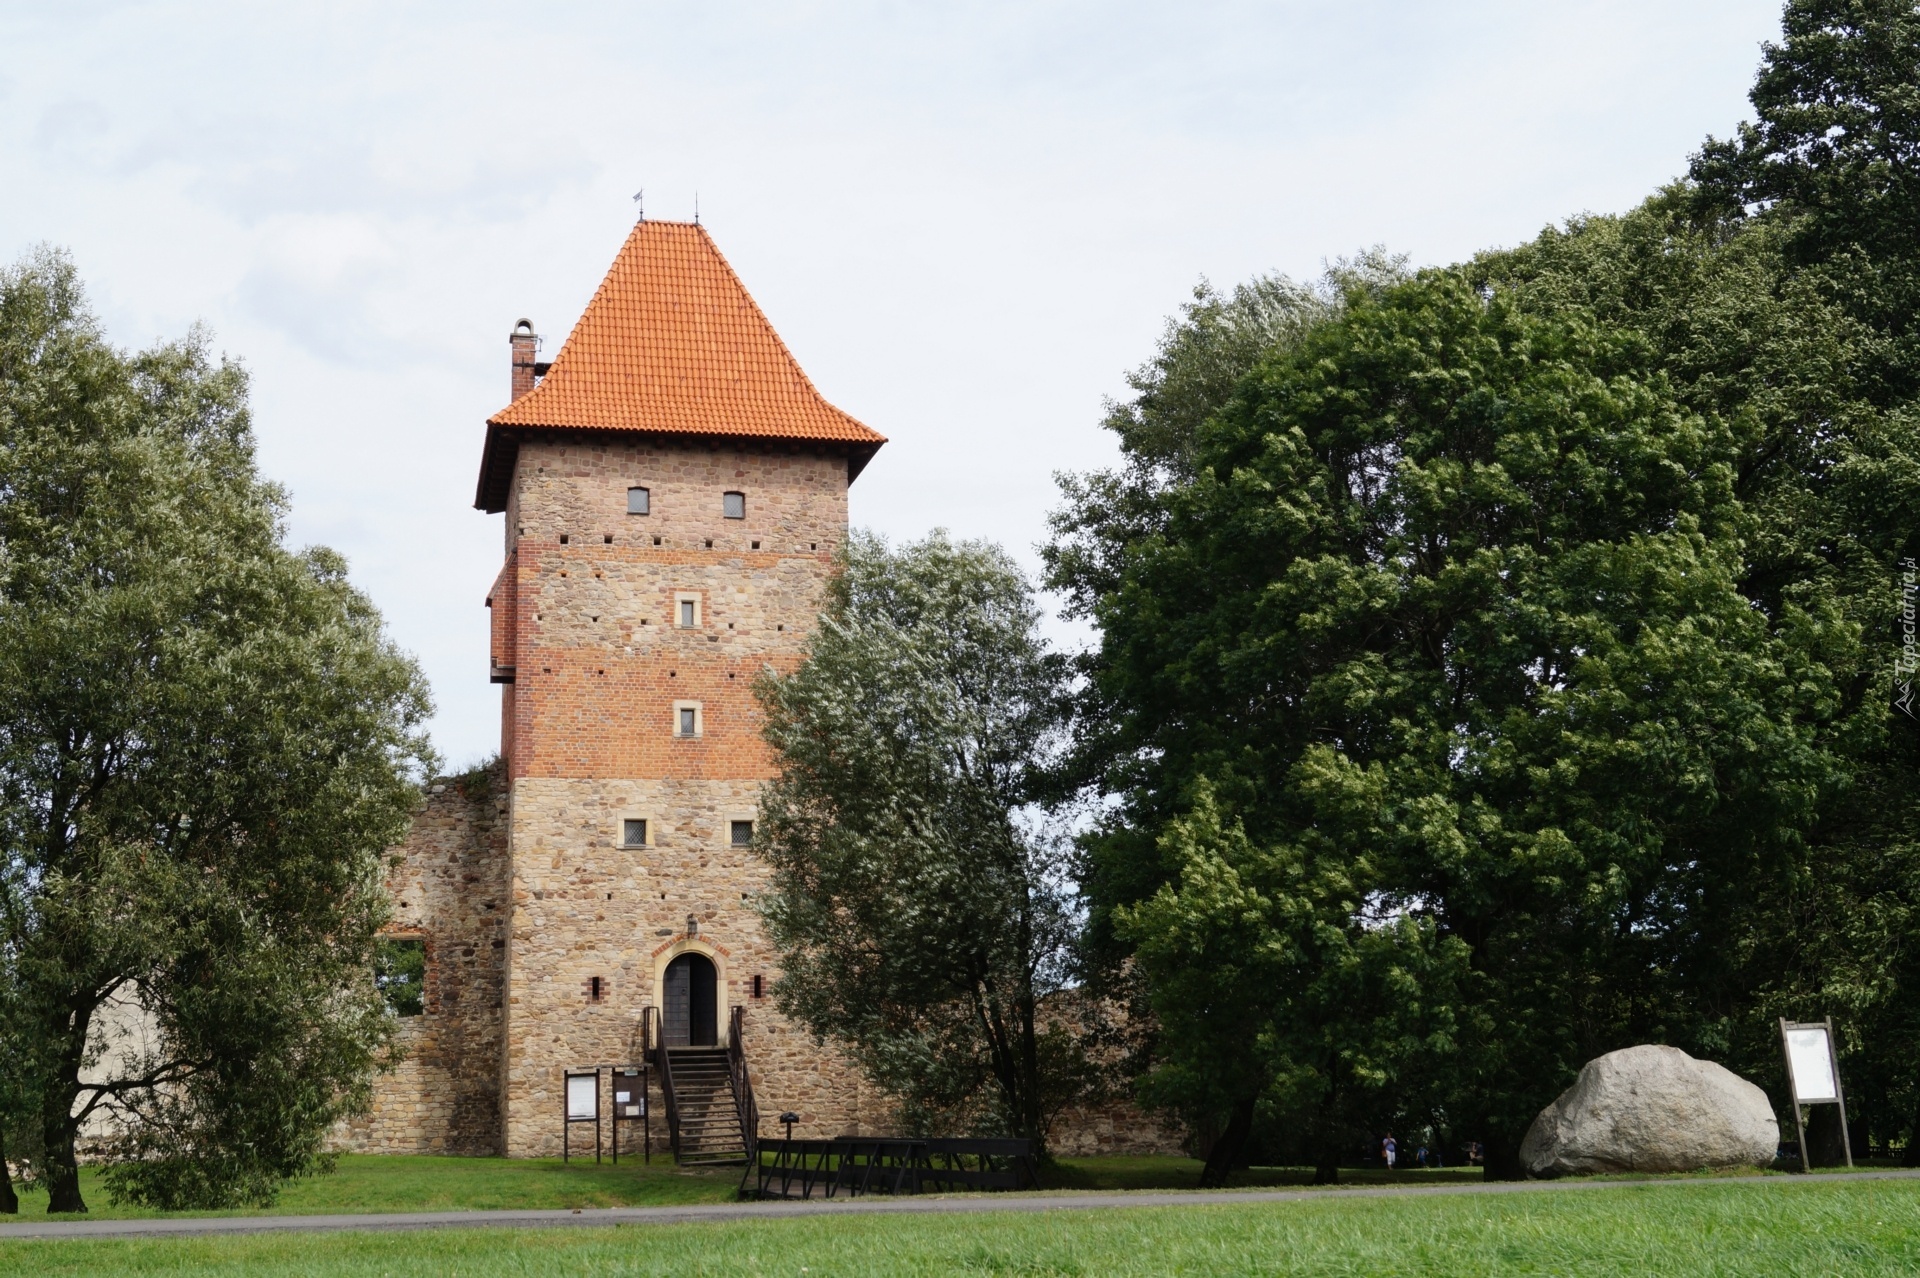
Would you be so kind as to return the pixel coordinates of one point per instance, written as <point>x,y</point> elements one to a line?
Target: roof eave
<point>502,448</point>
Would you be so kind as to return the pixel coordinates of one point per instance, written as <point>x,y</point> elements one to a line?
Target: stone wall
<point>449,881</point>
<point>587,906</point>
<point>1115,1127</point>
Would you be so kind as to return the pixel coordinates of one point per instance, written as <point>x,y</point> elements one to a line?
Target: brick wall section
<point>450,884</point>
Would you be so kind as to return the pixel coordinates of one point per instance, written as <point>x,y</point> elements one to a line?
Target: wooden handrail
<point>663,1061</point>
<point>744,1105</point>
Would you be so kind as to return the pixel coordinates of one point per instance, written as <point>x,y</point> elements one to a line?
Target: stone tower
<point>675,490</point>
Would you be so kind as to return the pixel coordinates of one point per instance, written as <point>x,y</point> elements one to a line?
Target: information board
<point>1810,1060</point>
<point>583,1097</point>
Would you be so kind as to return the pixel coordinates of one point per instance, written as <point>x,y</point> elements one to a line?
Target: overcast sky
<point>968,221</point>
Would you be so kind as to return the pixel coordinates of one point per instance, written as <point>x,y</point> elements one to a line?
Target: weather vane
<point>639,205</point>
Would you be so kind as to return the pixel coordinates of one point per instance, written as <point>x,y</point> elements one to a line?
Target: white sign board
<point>583,1095</point>
<point>1812,1060</point>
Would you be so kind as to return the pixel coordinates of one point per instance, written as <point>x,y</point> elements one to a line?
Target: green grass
<point>1158,1172</point>
<point>1760,1226</point>
<point>375,1183</point>
<point>388,1183</point>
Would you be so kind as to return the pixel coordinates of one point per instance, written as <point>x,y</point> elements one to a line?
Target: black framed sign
<point>1813,1077</point>
<point>630,1105</point>
<point>581,1100</point>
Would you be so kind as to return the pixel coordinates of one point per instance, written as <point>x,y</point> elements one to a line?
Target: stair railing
<point>663,1061</point>
<point>743,1103</point>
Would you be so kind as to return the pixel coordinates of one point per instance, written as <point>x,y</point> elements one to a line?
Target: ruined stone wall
<point>1114,1127</point>
<point>449,882</point>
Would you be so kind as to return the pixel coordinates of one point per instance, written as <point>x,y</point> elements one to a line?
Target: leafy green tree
<point>1747,332</point>
<point>1779,289</point>
<point>206,746</point>
<point>1449,619</point>
<point>917,898</point>
<point>1834,156</point>
<point>1281,986</point>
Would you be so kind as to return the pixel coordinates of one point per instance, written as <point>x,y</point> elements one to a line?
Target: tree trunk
<point>1500,1154</point>
<point>1826,1143</point>
<point>1911,1158</point>
<point>1327,1170</point>
<point>61,1161</point>
<point>9,1201</point>
<point>1231,1143</point>
<point>1032,1119</point>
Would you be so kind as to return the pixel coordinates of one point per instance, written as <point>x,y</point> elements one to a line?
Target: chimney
<point>524,341</point>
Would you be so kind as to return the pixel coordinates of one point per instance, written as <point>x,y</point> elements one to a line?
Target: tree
<point>917,900</point>
<point>1447,625</point>
<point>206,746</point>
<point>1834,157</point>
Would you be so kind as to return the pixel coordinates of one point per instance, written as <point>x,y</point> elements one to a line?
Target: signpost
<point>1813,1075</point>
<point>630,1105</point>
<point>582,1100</point>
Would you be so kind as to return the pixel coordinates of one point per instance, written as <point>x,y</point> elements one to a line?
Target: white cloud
<point>967,220</point>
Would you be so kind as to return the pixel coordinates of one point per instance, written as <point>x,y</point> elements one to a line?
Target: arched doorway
<point>691,1017</point>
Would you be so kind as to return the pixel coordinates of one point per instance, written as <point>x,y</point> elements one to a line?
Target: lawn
<point>1761,1226</point>
<point>383,1183</point>
<point>377,1182</point>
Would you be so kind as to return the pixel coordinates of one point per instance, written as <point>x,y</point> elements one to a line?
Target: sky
<point>968,221</point>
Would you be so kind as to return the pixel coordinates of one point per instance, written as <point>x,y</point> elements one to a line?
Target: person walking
<point>1388,1149</point>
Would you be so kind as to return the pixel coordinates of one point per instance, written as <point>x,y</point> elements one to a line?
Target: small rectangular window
<point>400,974</point>
<point>596,988</point>
<point>742,832</point>
<point>637,501</point>
<point>759,985</point>
<point>689,718</point>
<point>688,614</point>
<point>735,505</point>
<point>633,833</point>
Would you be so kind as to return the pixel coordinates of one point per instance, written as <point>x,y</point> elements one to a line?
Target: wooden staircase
<point>712,1119</point>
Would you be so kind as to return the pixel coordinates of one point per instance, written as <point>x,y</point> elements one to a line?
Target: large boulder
<point>1652,1109</point>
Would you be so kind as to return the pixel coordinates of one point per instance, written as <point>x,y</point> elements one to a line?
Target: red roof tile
<point>672,344</point>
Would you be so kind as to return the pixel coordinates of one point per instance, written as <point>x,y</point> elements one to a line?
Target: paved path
<point>1070,1201</point>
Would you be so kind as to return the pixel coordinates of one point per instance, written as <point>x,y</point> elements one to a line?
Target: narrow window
<point>400,974</point>
<point>688,719</point>
<point>735,505</point>
<point>633,833</point>
<point>759,985</point>
<point>687,613</point>
<point>742,834</point>
<point>596,988</point>
<point>638,501</point>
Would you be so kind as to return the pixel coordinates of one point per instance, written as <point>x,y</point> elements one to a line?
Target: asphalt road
<point>68,1227</point>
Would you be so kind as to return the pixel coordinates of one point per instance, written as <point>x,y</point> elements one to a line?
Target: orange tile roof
<point>672,344</point>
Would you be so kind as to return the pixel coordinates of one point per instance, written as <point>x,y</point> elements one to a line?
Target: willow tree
<point>206,745</point>
<point>918,902</point>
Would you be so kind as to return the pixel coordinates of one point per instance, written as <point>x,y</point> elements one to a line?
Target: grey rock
<point>1652,1109</point>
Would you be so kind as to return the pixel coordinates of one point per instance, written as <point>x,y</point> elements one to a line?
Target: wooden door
<point>690,1016</point>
